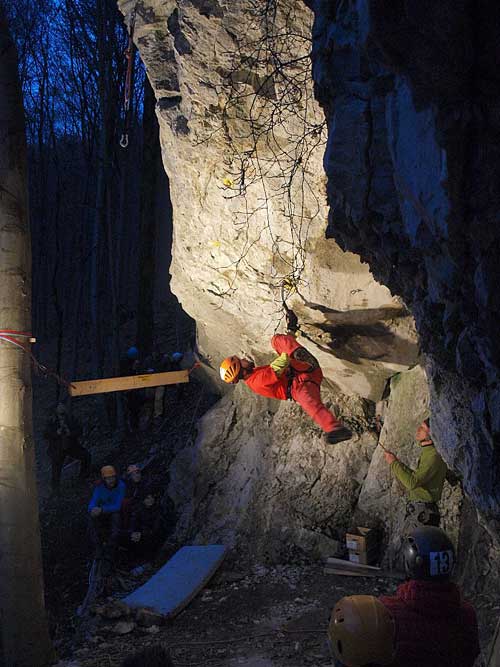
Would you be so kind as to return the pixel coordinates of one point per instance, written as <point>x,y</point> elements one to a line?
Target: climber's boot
<point>339,434</point>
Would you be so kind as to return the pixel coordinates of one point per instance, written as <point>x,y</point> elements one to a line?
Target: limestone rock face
<point>261,479</point>
<point>243,142</point>
<point>260,474</point>
<point>409,160</point>
<point>410,93</point>
<point>382,499</point>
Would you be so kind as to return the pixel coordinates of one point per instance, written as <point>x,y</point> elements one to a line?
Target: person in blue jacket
<point>104,507</point>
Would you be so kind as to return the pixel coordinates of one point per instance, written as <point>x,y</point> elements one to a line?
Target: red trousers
<point>306,386</point>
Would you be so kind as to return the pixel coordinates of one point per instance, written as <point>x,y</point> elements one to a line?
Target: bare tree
<point>147,244</point>
<point>24,633</point>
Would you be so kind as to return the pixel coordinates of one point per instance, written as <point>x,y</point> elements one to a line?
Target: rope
<point>10,335</point>
<point>391,522</point>
<point>127,93</point>
<point>196,364</point>
<point>195,412</point>
<point>378,427</point>
<point>292,323</point>
<point>6,335</point>
<point>391,503</point>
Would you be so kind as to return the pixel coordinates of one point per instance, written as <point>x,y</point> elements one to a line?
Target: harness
<point>304,356</point>
<point>421,512</point>
<point>291,377</point>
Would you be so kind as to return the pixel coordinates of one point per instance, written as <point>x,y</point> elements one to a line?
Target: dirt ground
<point>269,617</point>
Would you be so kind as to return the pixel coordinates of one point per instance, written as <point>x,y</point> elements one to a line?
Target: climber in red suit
<point>295,374</point>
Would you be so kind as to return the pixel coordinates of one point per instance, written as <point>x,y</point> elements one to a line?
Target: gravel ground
<point>270,617</point>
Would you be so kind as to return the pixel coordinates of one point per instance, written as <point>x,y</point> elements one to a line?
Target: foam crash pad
<point>174,586</point>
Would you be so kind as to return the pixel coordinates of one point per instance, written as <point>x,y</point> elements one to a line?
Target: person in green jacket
<point>424,485</point>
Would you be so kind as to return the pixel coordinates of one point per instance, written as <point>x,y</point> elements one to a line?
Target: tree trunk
<point>96,269</point>
<point>112,402</point>
<point>147,241</point>
<point>24,634</point>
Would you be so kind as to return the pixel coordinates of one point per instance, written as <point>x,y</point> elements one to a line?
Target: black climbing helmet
<point>428,554</point>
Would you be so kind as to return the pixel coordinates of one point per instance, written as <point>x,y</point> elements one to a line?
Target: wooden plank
<point>347,573</point>
<point>85,387</point>
<point>173,587</point>
<point>387,574</point>
<point>338,562</point>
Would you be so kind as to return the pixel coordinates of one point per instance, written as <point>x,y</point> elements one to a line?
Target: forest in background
<point>100,214</point>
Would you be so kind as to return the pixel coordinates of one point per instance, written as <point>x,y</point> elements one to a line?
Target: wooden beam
<point>339,562</point>
<point>349,573</point>
<point>385,574</point>
<point>347,568</point>
<point>126,383</point>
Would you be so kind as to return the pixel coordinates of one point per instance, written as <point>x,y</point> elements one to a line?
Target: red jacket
<point>264,380</point>
<point>434,627</point>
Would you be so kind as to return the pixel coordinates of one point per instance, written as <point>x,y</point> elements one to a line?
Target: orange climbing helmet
<point>108,471</point>
<point>362,631</point>
<point>230,369</point>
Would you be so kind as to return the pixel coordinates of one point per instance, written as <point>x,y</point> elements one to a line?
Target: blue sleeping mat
<point>174,586</point>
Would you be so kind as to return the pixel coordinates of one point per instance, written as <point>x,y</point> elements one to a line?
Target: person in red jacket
<point>433,626</point>
<point>295,374</point>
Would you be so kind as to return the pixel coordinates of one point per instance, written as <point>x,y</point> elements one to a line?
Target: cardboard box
<point>361,539</point>
<point>364,557</point>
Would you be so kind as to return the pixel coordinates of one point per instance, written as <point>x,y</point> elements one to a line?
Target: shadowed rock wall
<point>410,91</point>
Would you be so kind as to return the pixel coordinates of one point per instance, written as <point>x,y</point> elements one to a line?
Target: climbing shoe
<point>338,434</point>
